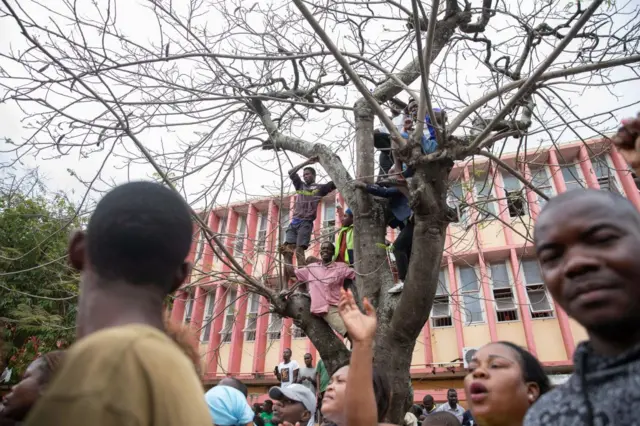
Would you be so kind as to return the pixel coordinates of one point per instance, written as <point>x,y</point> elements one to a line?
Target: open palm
<point>360,326</point>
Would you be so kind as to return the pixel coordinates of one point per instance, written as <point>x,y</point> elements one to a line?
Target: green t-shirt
<point>267,418</point>
<point>324,376</point>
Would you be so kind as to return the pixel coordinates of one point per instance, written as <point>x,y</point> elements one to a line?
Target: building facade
<point>490,285</point>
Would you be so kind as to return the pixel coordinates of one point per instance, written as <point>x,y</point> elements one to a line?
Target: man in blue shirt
<point>228,404</point>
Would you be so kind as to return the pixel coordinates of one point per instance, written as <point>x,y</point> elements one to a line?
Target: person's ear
<point>306,416</point>
<point>77,250</point>
<point>533,392</point>
<point>180,276</point>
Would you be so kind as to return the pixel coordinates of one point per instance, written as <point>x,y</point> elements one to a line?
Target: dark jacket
<point>309,196</point>
<point>398,204</point>
<point>603,391</point>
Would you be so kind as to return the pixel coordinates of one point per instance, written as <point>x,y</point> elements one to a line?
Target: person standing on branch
<point>298,234</point>
<point>344,242</point>
<point>402,218</point>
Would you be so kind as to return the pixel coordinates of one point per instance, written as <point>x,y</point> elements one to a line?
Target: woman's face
<point>333,401</point>
<point>495,387</point>
<point>24,395</point>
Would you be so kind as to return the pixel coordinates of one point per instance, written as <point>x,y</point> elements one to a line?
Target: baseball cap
<point>295,392</point>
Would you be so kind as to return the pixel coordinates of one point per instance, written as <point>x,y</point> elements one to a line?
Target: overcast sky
<point>259,174</point>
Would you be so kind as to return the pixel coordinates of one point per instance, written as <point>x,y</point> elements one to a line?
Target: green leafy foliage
<point>39,289</point>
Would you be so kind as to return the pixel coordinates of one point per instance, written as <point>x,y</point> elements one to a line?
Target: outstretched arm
<point>362,329</point>
<point>377,190</point>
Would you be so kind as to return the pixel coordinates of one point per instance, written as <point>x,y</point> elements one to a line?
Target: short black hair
<point>532,370</point>
<point>333,247</point>
<point>140,232</point>
<point>268,401</point>
<point>311,169</point>
<point>441,418</point>
<point>232,382</point>
<point>452,390</point>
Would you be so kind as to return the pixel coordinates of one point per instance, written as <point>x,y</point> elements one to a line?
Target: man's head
<point>309,175</point>
<point>257,407</point>
<point>236,384</point>
<point>267,406</point>
<point>286,355</point>
<point>137,239</point>
<point>347,218</point>
<point>297,404</point>
<point>327,250</point>
<point>452,397</point>
<point>587,243</point>
<point>308,360</point>
<point>428,402</point>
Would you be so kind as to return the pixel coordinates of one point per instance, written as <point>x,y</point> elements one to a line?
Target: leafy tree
<point>39,289</point>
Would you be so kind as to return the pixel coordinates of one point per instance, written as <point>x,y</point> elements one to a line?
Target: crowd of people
<point>128,368</point>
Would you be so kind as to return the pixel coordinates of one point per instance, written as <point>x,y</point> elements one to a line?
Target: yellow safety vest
<point>349,231</point>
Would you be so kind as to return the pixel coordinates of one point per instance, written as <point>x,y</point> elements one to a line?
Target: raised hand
<point>361,327</point>
<point>313,160</point>
<point>627,140</point>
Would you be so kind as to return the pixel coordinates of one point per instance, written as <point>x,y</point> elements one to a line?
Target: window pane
<point>500,275</point>
<point>484,196</point>
<point>468,279</point>
<point>442,290</point>
<point>538,300</point>
<point>284,222</point>
<point>572,179</point>
<point>531,272</point>
<point>472,307</point>
<point>329,210</point>
<point>510,183</point>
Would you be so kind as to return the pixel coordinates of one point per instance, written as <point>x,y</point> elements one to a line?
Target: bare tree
<point>237,85</point>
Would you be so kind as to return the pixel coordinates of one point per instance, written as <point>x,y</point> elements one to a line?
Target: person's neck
<point>286,361</point>
<point>614,343</point>
<point>121,305</point>
<point>453,405</point>
<point>327,262</point>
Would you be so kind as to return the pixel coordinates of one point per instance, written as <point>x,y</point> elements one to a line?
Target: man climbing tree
<point>298,235</point>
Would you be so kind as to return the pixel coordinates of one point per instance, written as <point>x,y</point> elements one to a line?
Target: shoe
<point>396,288</point>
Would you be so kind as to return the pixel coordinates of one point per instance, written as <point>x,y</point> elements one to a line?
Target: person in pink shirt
<point>324,280</point>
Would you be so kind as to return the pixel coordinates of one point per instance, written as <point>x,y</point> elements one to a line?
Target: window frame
<point>270,331</point>
<point>537,287</point>
<point>507,290</point>
<point>514,195</point>
<point>262,233</point>
<point>548,188</point>
<point>442,297</point>
<point>478,291</point>
<point>207,320</point>
<point>251,320</point>
<point>226,334</point>
<point>328,230</point>
<point>490,207</point>
<point>241,235</point>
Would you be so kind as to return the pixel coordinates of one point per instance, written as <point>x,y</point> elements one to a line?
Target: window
<point>470,289</point>
<point>199,246</point>
<point>284,222</point>
<point>539,304</point>
<point>297,332</point>
<point>329,221</point>
<point>275,327</point>
<point>516,202</point>
<point>506,309</point>
<point>541,180</point>
<point>222,229</point>
<point>262,233</point>
<point>606,179</point>
<point>188,309</point>
<point>455,198</point>
<point>240,236</point>
<point>229,317</point>
<point>441,312</point>
<point>252,318</point>
<point>208,315</point>
<point>571,176</point>
<point>485,200</point>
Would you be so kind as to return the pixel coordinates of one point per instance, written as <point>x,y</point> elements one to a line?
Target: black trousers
<point>402,250</point>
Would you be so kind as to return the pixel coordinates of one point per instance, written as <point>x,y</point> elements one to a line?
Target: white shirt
<point>458,411</point>
<point>286,372</point>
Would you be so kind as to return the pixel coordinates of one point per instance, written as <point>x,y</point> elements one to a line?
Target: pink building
<point>490,282</point>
